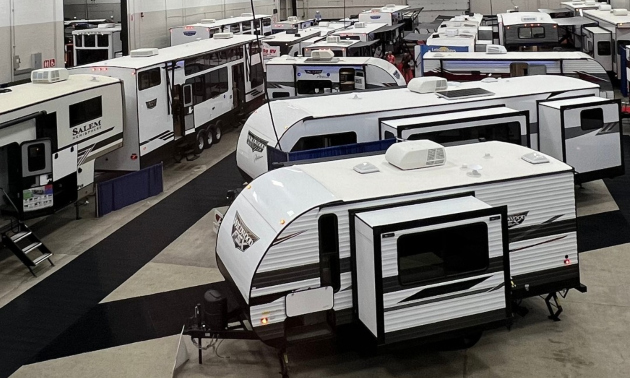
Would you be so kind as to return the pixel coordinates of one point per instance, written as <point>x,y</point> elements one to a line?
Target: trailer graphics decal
<point>516,219</point>
<point>242,236</point>
<point>85,130</point>
<point>257,144</point>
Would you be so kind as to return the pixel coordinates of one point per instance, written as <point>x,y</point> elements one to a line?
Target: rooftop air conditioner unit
<point>375,10</point>
<point>450,32</point>
<point>590,2</point>
<point>144,53</point>
<point>620,12</point>
<point>604,7</point>
<point>322,55</point>
<point>427,84</point>
<point>292,19</point>
<point>106,26</point>
<point>49,75</point>
<point>247,15</point>
<point>227,35</point>
<point>208,21</point>
<point>359,25</point>
<point>496,49</point>
<point>459,18</point>
<point>333,39</point>
<point>390,6</point>
<point>416,154</point>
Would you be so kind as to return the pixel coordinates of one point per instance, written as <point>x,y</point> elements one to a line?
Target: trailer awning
<point>388,28</point>
<point>365,44</point>
<point>574,21</point>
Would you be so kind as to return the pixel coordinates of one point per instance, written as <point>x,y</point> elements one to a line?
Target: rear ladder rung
<point>20,235</point>
<point>42,258</point>
<point>31,247</point>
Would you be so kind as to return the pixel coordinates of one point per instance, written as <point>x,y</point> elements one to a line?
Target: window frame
<point>151,82</point>
<point>592,128</point>
<point>87,117</point>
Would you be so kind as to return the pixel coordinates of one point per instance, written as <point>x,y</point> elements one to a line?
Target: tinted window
<point>533,32</point>
<point>503,132</point>
<point>280,94</point>
<point>36,157</point>
<point>442,253</point>
<point>592,119</point>
<point>247,26</point>
<point>329,251</point>
<point>235,28</point>
<point>211,60</point>
<point>524,33</point>
<point>90,56</point>
<point>538,32</point>
<point>209,85</point>
<point>78,41</point>
<point>389,135</point>
<point>149,79</point>
<point>103,40</point>
<point>257,75</point>
<point>86,111</point>
<point>307,87</point>
<point>89,40</point>
<point>322,141</point>
<point>603,48</point>
<point>266,21</point>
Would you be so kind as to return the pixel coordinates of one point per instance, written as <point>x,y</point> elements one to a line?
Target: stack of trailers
<point>558,115</point>
<point>526,29</point>
<point>179,98</point>
<point>460,33</point>
<point>302,76</point>
<point>54,133</point>
<point>390,14</point>
<point>291,23</point>
<point>419,251</point>
<point>470,66</point>
<point>245,24</point>
<point>97,44</point>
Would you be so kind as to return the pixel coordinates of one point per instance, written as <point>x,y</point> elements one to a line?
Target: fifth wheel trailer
<point>181,96</point>
<point>505,110</point>
<point>404,251</point>
<point>54,132</point>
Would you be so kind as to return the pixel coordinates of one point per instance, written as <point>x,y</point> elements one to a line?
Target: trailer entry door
<point>430,268</point>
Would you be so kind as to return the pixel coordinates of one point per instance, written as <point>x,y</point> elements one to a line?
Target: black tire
<point>208,138</point>
<point>217,132</point>
<point>200,142</point>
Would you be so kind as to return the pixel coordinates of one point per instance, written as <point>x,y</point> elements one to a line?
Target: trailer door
<point>431,267</point>
<point>584,133</point>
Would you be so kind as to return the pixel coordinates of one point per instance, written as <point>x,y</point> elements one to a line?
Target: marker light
<point>264,321</point>
<point>567,260</point>
<point>282,221</point>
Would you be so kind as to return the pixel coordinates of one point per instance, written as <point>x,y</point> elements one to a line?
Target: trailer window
<point>280,94</point>
<point>246,26</point>
<point>257,75</point>
<point>592,119</point>
<point>442,253</point>
<point>36,157</point>
<point>502,132</point>
<point>266,21</point>
<point>149,79</point>
<point>309,87</point>
<point>603,48</point>
<point>78,40</point>
<point>86,111</point>
<point>89,40</point>
<point>531,32</point>
<point>235,28</point>
<point>323,141</point>
<point>87,56</point>
<point>103,40</point>
<point>329,251</point>
<point>209,85</point>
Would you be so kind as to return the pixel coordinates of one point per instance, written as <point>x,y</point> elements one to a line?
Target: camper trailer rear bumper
<point>548,281</point>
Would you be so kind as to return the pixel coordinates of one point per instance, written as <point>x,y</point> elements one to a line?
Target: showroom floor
<point>115,302</point>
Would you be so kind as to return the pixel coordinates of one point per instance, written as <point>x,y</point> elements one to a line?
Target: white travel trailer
<point>289,76</point>
<point>411,244</point>
<point>390,14</point>
<point>360,31</point>
<point>97,44</point>
<point>527,29</point>
<point>52,131</point>
<point>178,98</point>
<point>504,110</point>
<point>345,47</point>
<point>612,35</point>
<point>245,24</point>
<point>291,44</point>
<point>577,7</point>
<point>291,23</point>
<point>471,66</point>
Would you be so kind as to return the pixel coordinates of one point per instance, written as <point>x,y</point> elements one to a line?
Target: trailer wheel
<point>208,139</point>
<point>217,132</point>
<point>201,142</point>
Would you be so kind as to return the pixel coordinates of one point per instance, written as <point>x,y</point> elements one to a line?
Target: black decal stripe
<point>444,289</point>
<point>392,284</point>
<point>547,228</point>
<point>434,300</point>
<point>537,244</point>
<point>102,143</point>
<point>293,274</point>
<point>264,299</point>
<point>155,137</point>
<point>285,238</point>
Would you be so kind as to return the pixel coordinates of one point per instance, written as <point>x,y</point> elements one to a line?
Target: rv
<point>289,77</point>
<point>205,29</point>
<point>292,23</point>
<point>97,44</point>
<point>345,47</point>
<point>470,66</point>
<point>520,29</point>
<point>390,14</point>
<point>610,38</point>
<point>362,32</point>
<point>291,44</point>
<point>577,7</point>
<point>54,132</point>
<point>178,98</point>
<point>411,244</point>
<point>577,126</point>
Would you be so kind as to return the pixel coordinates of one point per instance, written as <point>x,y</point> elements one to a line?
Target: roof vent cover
<point>144,53</point>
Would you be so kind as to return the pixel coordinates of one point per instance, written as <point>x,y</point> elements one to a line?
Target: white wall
<point>150,20</point>
<point>335,8</point>
<point>94,9</point>
<point>501,6</point>
<point>33,26</point>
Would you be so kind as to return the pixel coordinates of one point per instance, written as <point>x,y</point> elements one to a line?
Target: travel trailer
<point>471,66</point>
<point>577,7</point>
<point>179,97</point>
<point>345,47</point>
<point>245,24</point>
<point>583,130</point>
<point>289,77</point>
<point>520,29</point>
<point>54,132</point>
<point>390,14</point>
<point>291,23</point>
<point>360,31</point>
<point>418,242</point>
<point>97,44</point>
<point>612,35</point>
<point>291,44</point>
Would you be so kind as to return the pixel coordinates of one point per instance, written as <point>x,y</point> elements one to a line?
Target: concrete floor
<point>591,340</point>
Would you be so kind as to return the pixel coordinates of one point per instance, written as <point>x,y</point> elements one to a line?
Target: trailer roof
<point>512,55</point>
<point>391,9</point>
<point>366,29</point>
<point>288,112</point>
<point>175,53</point>
<point>284,37</point>
<point>518,18</point>
<point>226,21</point>
<point>114,29</point>
<point>579,5</point>
<point>29,94</point>
<point>299,61</point>
<point>505,164</point>
<point>608,17</point>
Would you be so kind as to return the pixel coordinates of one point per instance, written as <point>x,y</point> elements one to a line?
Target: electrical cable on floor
<point>262,62</point>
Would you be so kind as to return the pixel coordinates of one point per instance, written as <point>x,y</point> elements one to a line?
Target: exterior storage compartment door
<point>431,268</point>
